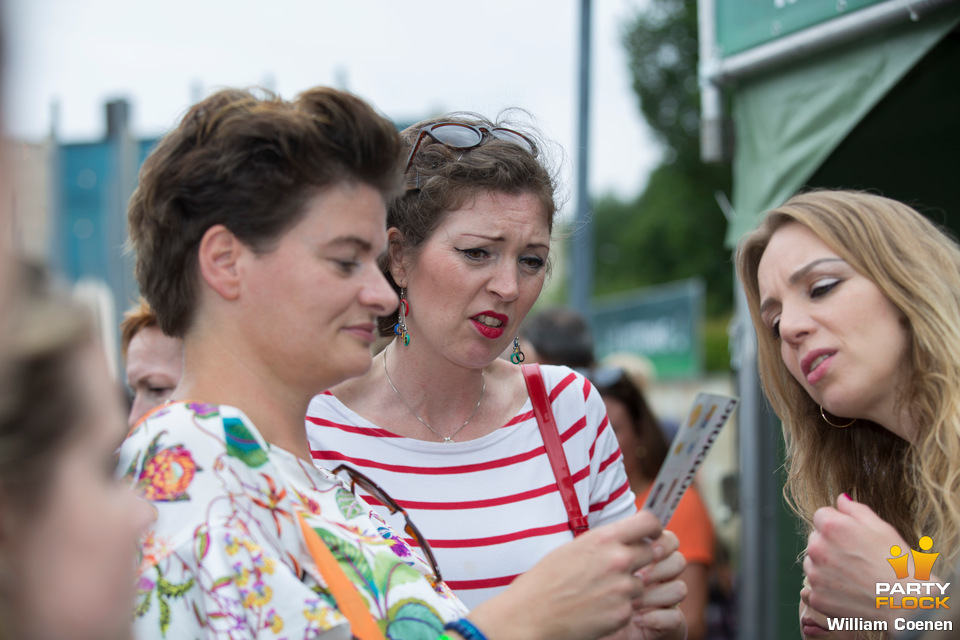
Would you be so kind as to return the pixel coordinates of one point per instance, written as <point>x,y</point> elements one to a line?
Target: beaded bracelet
<point>466,629</point>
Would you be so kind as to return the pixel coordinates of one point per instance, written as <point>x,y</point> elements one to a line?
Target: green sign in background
<point>744,24</point>
<point>662,323</point>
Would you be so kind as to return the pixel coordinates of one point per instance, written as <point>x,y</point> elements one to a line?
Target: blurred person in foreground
<point>67,528</point>
<point>257,227</point>
<point>855,299</point>
<point>440,418</point>
<point>154,361</point>
<point>6,211</point>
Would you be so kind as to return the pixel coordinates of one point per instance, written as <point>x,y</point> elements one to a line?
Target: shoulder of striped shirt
<point>570,388</point>
<point>559,380</point>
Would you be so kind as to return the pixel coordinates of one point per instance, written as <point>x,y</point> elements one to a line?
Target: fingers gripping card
<point>690,446</point>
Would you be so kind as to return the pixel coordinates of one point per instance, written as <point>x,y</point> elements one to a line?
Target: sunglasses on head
<point>465,136</point>
<point>375,490</point>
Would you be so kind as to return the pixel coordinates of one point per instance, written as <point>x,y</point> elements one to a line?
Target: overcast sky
<point>410,58</point>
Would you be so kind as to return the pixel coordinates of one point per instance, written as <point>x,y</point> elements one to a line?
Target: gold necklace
<point>446,439</point>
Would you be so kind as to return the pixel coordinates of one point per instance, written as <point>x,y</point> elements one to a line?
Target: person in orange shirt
<point>644,448</point>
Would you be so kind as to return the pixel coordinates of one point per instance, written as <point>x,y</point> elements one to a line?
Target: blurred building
<point>70,201</point>
<point>90,185</point>
<point>28,165</point>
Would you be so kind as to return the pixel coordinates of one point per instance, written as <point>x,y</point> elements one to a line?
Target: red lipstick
<point>485,329</point>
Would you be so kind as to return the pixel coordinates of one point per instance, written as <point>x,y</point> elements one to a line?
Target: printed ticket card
<point>690,446</point>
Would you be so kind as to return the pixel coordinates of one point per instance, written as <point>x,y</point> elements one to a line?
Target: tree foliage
<point>673,231</point>
<point>675,228</point>
<point>662,45</point>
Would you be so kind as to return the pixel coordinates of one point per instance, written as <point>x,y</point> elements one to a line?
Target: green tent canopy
<point>881,113</point>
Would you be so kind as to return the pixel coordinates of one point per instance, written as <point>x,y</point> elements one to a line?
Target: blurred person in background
<point>67,528</point>
<point>645,447</point>
<point>154,361</point>
<point>855,299</point>
<point>559,336</point>
<point>257,226</point>
<point>642,373</point>
<point>640,369</point>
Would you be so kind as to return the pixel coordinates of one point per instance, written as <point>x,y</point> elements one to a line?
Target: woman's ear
<point>397,257</point>
<point>218,257</point>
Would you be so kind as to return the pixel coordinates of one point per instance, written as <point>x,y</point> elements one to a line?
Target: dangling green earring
<point>401,327</point>
<point>517,356</point>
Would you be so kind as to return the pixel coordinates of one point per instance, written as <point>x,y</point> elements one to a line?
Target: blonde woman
<point>856,301</point>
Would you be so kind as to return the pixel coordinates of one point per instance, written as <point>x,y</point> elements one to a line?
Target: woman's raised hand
<point>846,556</point>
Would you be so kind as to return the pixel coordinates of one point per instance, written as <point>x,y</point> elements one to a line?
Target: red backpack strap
<point>551,442</point>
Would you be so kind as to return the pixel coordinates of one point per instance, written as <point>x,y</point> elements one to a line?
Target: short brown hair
<point>135,320</point>
<point>443,179</point>
<point>249,163</point>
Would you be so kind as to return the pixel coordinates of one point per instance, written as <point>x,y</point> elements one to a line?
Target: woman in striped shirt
<point>440,420</point>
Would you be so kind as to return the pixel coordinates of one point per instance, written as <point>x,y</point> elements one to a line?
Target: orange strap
<point>350,603</point>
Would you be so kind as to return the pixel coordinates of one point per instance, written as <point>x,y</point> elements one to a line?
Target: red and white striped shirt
<point>489,507</point>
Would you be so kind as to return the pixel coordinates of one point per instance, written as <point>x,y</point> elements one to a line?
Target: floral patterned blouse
<point>226,557</point>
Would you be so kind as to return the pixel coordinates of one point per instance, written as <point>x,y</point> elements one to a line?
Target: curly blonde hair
<point>915,486</point>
